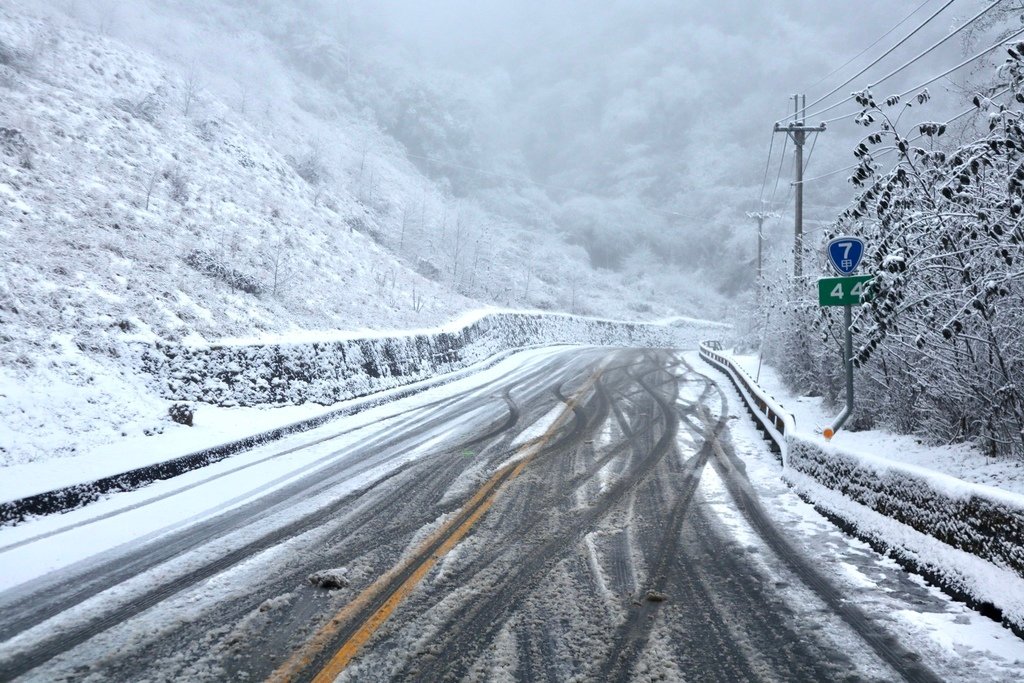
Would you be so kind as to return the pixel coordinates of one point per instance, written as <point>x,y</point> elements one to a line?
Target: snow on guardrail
<point>772,418</point>
<point>978,520</point>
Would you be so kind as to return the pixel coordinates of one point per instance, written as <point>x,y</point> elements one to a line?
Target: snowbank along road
<point>570,514</point>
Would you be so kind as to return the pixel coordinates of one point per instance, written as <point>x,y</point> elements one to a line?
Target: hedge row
<point>961,516</point>
<point>331,371</point>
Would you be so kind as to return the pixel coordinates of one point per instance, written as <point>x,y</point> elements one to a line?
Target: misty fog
<point>631,129</point>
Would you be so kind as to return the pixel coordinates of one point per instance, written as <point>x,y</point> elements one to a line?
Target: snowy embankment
<point>144,197</point>
<point>963,535</point>
<point>323,369</point>
<point>332,370</point>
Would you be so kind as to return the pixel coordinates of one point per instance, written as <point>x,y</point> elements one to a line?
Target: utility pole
<point>797,132</point>
<point>760,217</point>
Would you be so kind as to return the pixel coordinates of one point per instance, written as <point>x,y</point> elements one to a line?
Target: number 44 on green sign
<point>844,291</point>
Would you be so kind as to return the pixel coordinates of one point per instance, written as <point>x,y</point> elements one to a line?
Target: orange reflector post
<point>828,434</point>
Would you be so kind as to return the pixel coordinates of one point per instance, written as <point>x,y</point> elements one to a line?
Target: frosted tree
<point>943,340</point>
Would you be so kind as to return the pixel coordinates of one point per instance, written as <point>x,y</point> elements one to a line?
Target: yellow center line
<point>421,561</point>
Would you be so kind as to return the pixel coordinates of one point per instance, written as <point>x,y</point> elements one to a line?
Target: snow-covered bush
<point>941,345</point>
<point>975,519</point>
<point>310,166</point>
<point>181,413</point>
<point>15,57</point>
<point>146,107</point>
<point>178,181</point>
<point>14,145</point>
<point>330,371</point>
<point>208,264</point>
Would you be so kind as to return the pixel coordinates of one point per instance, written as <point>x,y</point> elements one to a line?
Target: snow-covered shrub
<point>787,330</point>
<point>941,345</point>
<point>428,269</point>
<point>974,519</point>
<point>310,166</point>
<point>14,144</point>
<point>14,57</point>
<point>209,264</point>
<point>208,130</point>
<point>145,107</point>
<point>178,182</point>
<point>12,141</point>
<point>640,307</point>
<point>181,413</point>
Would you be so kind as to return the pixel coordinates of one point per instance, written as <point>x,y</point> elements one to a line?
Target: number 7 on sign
<point>845,253</point>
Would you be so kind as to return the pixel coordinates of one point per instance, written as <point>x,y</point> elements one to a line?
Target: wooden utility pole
<point>797,132</point>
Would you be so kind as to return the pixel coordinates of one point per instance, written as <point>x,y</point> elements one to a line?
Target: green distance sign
<point>844,291</point>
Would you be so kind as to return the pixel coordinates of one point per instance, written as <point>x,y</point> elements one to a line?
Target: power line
<point>782,160</point>
<point>883,56</point>
<point>919,56</point>
<point>913,139</point>
<point>767,165</point>
<point>861,53</point>
<point>941,75</point>
<point>838,170</point>
<point>811,153</point>
<point>798,131</point>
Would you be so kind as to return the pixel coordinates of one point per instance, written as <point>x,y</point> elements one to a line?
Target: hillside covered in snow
<point>183,215</point>
<point>159,185</point>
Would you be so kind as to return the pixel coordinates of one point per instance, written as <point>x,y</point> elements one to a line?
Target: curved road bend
<point>563,522</point>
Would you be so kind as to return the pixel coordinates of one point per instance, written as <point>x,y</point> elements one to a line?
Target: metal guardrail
<point>974,519</point>
<point>774,421</point>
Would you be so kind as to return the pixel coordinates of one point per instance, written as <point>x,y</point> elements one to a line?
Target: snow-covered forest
<point>188,170</point>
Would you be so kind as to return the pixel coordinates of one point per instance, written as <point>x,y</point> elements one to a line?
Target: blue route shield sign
<point>845,253</point>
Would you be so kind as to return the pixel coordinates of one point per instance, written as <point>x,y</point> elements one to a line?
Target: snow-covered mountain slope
<point>121,210</point>
<point>138,203</point>
<point>133,197</point>
<point>122,217</point>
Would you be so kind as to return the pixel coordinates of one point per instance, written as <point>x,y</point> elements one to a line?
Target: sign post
<point>848,290</point>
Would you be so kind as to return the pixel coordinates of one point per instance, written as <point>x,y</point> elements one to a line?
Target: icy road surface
<point>570,514</point>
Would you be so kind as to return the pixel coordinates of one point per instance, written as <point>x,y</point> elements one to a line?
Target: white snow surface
<point>48,543</point>
<point>108,185</point>
<point>948,467</point>
<point>107,420</point>
<point>971,574</point>
<point>212,426</point>
<point>947,634</point>
<point>540,427</point>
<point>969,645</point>
<point>456,324</point>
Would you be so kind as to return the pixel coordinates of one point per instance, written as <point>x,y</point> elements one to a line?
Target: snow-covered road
<point>569,514</point>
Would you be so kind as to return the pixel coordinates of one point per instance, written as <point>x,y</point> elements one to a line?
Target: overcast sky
<point>648,123</point>
<point>725,69</point>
